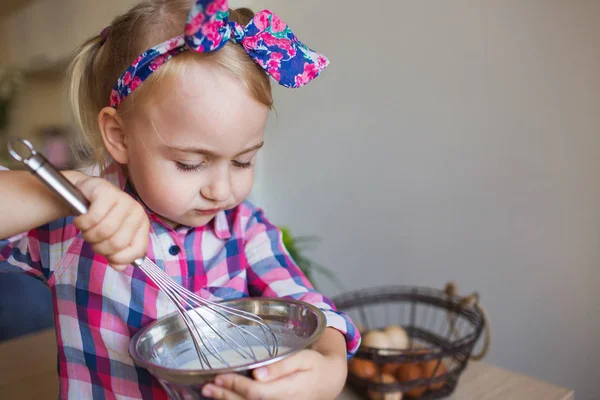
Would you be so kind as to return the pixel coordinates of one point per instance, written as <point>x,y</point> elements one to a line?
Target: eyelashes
<point>188,167</point>
<point>199,167</point>
<point>245,165</point>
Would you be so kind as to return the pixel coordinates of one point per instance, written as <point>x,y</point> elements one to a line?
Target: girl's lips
<point>208,212</point>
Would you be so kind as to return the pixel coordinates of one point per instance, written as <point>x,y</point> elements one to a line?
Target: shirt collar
<point>220,224</point>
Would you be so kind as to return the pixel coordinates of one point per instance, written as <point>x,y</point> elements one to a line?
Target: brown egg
<point>391,368</point>
<point>411,372</point>
<point>363,369</point>
<point>384,378</point>
<point>429,368</point>
<point>414,360</point>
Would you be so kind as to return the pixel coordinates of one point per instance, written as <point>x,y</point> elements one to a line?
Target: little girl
<point>175,132</point>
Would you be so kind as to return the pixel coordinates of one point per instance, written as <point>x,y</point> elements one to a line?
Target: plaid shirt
<point>97,309</point>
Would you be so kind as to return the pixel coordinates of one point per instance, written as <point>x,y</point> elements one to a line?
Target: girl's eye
<point>245,165</point>
<point>188,167</point>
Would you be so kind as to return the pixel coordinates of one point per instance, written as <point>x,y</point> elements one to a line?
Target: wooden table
<point>28,371</point>
<point>481,381</point>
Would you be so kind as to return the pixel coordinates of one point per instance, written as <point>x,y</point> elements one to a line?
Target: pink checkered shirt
<point>97,309</point>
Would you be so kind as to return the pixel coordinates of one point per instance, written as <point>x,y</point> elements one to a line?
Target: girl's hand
<point>308,374</point>
<point>116,225</point>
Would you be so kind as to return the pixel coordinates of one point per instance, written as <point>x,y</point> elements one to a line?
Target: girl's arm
<point>116,224</point>
<point>26,203</point>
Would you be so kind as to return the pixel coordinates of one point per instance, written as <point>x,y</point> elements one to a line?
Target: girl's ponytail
<point>83,91</point>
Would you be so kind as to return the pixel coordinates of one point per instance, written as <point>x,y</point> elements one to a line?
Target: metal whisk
<point>195,311</point>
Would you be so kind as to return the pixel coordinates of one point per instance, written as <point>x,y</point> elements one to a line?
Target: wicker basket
<point>443,329</point>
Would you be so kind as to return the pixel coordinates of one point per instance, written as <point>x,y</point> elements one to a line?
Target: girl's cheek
<point>243,186</point>
<point>184,194</point>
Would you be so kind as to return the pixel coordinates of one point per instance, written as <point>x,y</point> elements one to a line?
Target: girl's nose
<point>219,187</point>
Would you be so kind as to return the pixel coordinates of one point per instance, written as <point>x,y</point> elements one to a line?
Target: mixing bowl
<point>165,345</point>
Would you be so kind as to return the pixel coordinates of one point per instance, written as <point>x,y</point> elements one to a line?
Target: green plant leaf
<point>296,245</point>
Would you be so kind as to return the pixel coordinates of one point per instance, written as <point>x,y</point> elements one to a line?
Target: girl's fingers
<point>121,238</point>
<point>283,380</point>
<point>115,224</point>
<point>136,249</point>
<point>234,386</point>
<point>111,225</point>
<point>298,362</point>
<point>249,389</point>
<point>98,210</point>
<point>219,393</point>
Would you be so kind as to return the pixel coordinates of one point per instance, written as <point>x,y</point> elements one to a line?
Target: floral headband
<point>266,39</point>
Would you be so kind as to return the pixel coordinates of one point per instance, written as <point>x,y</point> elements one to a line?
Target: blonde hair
<point>97,66</point>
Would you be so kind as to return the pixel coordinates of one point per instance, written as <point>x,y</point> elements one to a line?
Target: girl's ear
<point>113,134</point>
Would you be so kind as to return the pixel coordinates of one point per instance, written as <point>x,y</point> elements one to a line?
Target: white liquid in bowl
<point>233,358</point>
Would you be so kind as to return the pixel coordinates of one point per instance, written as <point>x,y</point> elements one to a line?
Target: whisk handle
<point>49,175</point>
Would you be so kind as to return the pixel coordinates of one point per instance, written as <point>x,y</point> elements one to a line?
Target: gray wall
<point>454,140</point>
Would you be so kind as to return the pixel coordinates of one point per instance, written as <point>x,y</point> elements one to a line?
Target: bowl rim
<point>155,368</point>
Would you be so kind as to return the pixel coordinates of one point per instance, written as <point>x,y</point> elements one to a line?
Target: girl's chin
<point>192,219</point>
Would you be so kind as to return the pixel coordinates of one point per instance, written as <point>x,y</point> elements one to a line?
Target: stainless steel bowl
<point>165,344</point>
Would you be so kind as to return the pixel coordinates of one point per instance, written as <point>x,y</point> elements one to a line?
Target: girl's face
<point>191,149</point>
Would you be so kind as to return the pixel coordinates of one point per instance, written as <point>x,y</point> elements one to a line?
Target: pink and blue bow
<point>266,39</point>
